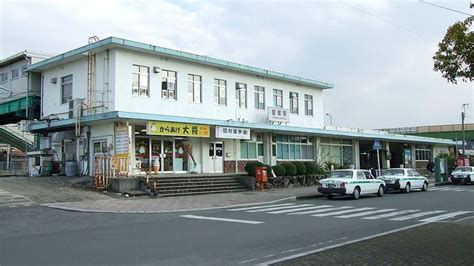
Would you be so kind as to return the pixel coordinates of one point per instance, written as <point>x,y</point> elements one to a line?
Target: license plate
<point>388,181</point>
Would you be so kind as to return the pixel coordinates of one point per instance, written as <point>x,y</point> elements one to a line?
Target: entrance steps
<point>193,185</point>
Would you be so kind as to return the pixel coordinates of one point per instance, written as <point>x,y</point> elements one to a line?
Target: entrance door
<point>216,150</point>
<point>167,156</point>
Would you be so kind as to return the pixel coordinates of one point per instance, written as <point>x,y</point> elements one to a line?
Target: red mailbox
<point>261,176</point>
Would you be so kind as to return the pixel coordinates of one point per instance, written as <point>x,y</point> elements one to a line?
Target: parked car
<point>404,179</point>
<point>462,174</point>
<point>352,182</point>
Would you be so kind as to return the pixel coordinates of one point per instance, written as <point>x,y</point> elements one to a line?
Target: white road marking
<point>416,215</point>
<point>364,213</point>
<point>380,216</point>
<point>446,189</point>
<point>301,209</point>
<point>459,190</point>
<point>434,188</point>
<point>341,244</point>
<point>254,259</point>
<point>445,216</point>
<point>258,207</point>
<point>321,210</point>
<point>221,219</point>
<point>341,212</point>
<point>280,208</point>
<point>465,218</point>
<point>291,250</point>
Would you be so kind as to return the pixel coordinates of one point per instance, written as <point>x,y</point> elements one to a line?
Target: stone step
<point>201,192</point>
<point>209,188</point>
<point>197,183</point>
<point>183,179</point>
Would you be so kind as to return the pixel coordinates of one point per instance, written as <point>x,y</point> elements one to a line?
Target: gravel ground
<point>53,189</point>
<point>445,243</point>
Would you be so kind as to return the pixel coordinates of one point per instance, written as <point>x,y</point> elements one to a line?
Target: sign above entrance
<point>232,133</point>
<point>276,114</point>
<point>177,129</point>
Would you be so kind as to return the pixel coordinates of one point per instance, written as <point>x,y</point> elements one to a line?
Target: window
<point>259,97</point>
<point>3,77</point>
<point>100,146</point>
<point>168,84</point>
<point>66,88</point>
<point>140,80</point>
<point>23,71</point>
<point>249,150</point>
<point>293,102</point>
<point>360,175</point>
<point>308,104</point>
<point>336,151</point>
<point>220,91</point>
<point>241,95</point>
<point>277,98</point>
<point>15,73</point>
<point>423,153</point>
<point>194,88</point>
<point>294,148</point>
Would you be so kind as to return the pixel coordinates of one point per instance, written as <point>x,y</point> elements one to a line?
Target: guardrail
<point>14,168</point>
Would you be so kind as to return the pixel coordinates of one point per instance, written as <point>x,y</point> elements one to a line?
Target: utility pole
<point>463,116</point>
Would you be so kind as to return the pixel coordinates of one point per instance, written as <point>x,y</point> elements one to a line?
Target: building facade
<point>174,112</point>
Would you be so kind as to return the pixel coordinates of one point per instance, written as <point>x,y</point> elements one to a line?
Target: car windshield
<point>463,169</point>
<point>396,172</point>
<point>341,174</point>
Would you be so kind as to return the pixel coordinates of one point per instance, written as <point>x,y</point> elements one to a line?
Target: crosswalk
<point>351,212</point>
<point>11,200</point>
<point>453,189</point>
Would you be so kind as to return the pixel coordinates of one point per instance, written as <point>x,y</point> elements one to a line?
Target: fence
<point>16,167</point>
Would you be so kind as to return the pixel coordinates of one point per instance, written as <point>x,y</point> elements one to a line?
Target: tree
<point>455,55</point>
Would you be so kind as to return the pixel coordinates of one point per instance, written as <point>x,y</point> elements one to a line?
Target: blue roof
<point>112,42</point>
<point>118,115</point>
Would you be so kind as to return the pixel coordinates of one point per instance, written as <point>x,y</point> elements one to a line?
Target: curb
<point>72,209</point>
<point>442,183</point>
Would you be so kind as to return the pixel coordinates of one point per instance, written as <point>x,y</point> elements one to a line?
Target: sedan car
<point>404,179</point>
<point>351,182</point>
<point>462,174</point>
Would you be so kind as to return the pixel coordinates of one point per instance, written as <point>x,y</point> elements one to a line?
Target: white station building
<point>191,113</point>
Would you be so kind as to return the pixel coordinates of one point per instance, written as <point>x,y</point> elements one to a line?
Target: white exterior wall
<point>17,86</point>
<point>124,101</point>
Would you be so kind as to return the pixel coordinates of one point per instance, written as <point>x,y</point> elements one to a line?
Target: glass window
<point>293,148</point>
<point>293,102</point>
<point>250,149</point>
<point>360,175</point>
<point>241,95</point>
<point>260,149</point>
<point>168,84</point>
<point>66,88</point>
<point>277,98</point>
<point>220,91</point>
<point>15,73</point>
<point>23,71</point>
<point>140,80</point>
<point>308,104</point>
<point>3,77</point>
<point>194,88</point>
<point>259,97</point>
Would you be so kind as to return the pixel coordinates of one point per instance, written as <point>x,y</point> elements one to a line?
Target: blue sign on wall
<point>377,145</point>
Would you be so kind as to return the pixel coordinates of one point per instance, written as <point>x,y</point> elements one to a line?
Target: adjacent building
<point>175,112</point>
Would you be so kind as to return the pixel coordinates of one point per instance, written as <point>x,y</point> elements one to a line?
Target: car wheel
<point>329,196</point>
<point>407,188</point>
<point>356,193</point>
<point>424,187</point>
<point>381,191</point>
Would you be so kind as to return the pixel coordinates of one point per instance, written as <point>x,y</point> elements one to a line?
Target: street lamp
<point>330,118</point>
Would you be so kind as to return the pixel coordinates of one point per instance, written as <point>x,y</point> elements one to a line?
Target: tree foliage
<point>455,55</point>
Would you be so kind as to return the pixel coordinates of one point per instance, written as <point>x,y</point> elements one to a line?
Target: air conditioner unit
<point>75,106</point>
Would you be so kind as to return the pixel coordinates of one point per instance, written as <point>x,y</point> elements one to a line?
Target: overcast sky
<point>378,54</point>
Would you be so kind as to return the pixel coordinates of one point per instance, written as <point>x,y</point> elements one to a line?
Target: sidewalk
<point>146,204</point>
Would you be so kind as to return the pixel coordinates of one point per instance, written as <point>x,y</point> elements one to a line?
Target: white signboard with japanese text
<point>232,133</point>
<point>276,114</point>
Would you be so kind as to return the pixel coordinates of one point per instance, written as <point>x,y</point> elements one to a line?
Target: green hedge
<point>300,168</point>
<point>279,170</point>
<point>250,167</point>
<point>310,168</point>
<point>290,168</point>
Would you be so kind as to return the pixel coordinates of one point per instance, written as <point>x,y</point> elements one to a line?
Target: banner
<point>177,129</point>
<point>232,133</point>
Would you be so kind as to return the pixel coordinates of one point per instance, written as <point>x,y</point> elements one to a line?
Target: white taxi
<point>404,179</point>
<point>462,174</point>
<point>352,182</point>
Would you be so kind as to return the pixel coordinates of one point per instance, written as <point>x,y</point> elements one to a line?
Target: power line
<point>360,9</point>
<point>447,8</point>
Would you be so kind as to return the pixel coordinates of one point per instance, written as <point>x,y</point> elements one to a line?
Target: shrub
<point>300,168</point>
<point>290,168</point>
<point>250,167</point>
<point>279,170</point>
<point>310,168</point>
<point>321,169</point>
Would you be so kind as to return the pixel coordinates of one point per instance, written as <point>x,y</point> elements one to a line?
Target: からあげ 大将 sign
<point>177,129</point>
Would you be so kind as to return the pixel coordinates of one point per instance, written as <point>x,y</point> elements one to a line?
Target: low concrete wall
<point>122,184</point>
<point>246,181</point>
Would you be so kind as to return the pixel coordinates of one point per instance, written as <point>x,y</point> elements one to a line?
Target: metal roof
<point>114,42</point>
<point>118,115</point>
<point>21,55</point>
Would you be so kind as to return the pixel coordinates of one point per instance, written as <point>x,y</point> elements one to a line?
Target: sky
<point>377,53</point>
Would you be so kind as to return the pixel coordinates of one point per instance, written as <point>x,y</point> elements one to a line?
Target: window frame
<point>288,144</point>
<point>294,102</point>
<point>308,102</point>
<point>2,75</point>
<point>220,84</point>
<point>66,82</point>
<point>140,85</point>
<point>166,78</point>
<point>17,71</point>
<point>259,92</point>
<point>195,83</point>
<point>238,95</point>
<point>277,94</point>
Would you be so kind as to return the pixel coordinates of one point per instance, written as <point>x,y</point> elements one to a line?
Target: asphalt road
<point>39,235</point>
